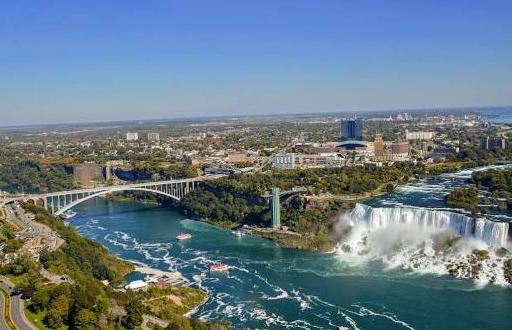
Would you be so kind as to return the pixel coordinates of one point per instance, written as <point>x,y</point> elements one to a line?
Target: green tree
<point>466,198</point>
<point>101,306</point>
<point>21,265</point>
<point>57,312</point>
<point>179,323</point>
<point>40,300</point>
<point>12,245</point>
<point>134,310</point>
<point>29,284</point>
<point>8,231</point>
<point>85,320</point>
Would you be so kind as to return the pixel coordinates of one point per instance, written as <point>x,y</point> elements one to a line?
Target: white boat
<point>238,233</point>
<point>68,214</point>
<point>183,236</point>
<point>219,267</point>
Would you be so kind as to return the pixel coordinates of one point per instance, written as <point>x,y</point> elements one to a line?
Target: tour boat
<point>68,214</point>
<point>219,267</point>
<point>183,236</point>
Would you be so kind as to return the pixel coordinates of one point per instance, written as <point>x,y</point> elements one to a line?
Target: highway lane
<point>3,323</point>
<point>17,307</point>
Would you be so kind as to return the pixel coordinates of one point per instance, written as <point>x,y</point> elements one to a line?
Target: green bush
<point>465,198</point>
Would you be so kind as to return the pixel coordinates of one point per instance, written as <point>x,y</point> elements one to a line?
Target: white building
<point>295,160</point>
<point>419,135</point>
<point>131,136</point>
<point>284,161</point>
<point>153,137</point>
<point>136,285</point>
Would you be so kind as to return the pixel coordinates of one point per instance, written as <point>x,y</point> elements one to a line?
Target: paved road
<point>3,324</point>
<point>17,309</point>
<point>37,236</point>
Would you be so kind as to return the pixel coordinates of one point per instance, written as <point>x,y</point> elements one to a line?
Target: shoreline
<point>195,309</point>
<point>143,268</point>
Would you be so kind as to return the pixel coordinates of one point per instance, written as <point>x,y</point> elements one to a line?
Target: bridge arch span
<point>108,191</point>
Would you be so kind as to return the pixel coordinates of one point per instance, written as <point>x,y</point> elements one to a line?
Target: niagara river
<point>404,262</point>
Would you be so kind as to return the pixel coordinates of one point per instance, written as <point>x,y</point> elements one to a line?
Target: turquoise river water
<point>269,287</point>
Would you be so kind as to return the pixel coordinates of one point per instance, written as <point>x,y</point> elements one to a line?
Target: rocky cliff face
<point>88,174</point>
<point>132,174</point>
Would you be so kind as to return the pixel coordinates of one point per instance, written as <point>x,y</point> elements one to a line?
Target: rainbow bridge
<point>62,201</point>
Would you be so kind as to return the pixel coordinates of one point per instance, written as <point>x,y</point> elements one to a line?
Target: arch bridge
<point>60,202</point>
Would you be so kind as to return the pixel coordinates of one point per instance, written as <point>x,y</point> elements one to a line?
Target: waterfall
<point>492,233</point>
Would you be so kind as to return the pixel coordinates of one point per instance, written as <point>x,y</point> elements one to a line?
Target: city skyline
<point>96,61</point>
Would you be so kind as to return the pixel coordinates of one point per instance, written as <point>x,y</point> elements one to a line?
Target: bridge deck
<point>124,186</point>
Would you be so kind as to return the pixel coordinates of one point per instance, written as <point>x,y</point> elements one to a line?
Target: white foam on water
<point>350,321</point>
<point>466,174</point>
<point>426,242</point>
<point>153,252</point>
<point>364,311</point>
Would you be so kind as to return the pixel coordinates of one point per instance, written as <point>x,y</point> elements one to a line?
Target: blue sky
<point>72,61</point>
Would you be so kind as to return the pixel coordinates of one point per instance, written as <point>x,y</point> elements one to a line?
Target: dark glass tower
<point>352,129</point>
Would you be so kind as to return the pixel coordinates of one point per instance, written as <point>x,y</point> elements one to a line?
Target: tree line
<point>240,199</point>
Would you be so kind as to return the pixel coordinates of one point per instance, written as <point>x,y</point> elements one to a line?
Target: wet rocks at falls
<point>428,241</point>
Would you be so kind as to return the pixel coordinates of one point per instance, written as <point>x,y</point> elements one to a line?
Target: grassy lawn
<point>14,278</point>
<point>37,319</point>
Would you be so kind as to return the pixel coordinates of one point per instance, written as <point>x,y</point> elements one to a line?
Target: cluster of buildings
<point>401,116</point>
<point>302,160</point>
<point>134,136</point>
<point>352,149</point>
<point>154,278</point>
<point>237,147</point>
<point>489,143</point>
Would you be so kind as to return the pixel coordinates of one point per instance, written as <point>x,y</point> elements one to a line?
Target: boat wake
<point>251,307</point>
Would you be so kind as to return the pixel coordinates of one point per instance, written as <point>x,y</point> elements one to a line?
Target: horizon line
<point>225,116</point>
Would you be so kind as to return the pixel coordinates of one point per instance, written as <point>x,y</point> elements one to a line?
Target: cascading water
<point>426,241</point>
<point>420,217</point>
<point>492,233</point>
